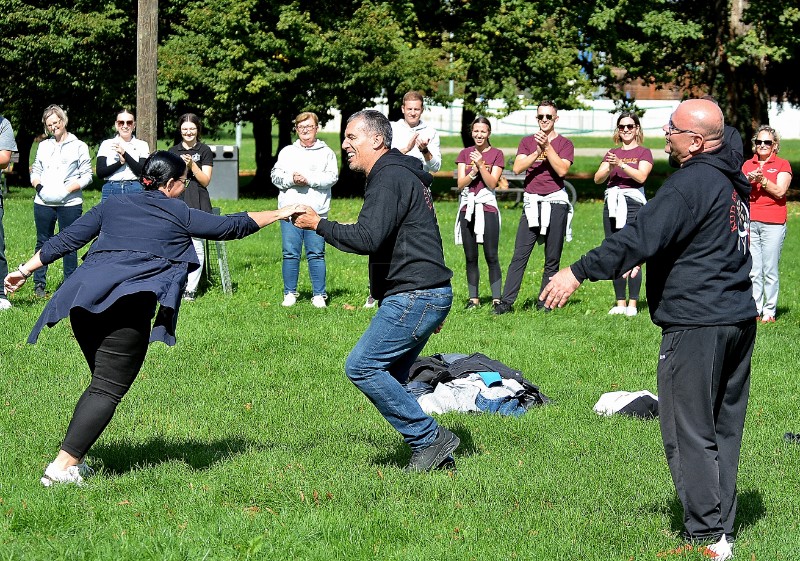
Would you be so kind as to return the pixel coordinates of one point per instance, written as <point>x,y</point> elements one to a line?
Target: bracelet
<point>22,272</point>
<point>473,176</point>
<point>764,182</point>
<point>623,165</point>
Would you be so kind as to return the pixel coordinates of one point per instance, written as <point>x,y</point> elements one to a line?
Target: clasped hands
<point>303,216</point>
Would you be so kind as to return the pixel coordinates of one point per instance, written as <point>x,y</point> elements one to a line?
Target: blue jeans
<point>45,219</point>
<point>120,188</point>
<point>766,242</point>
<point>293,239</point>
<point>379,363</point>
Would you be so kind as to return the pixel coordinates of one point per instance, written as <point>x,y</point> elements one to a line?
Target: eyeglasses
<point>764,142</point>
<point>626,127</point>
<point>185,181</point>
<point>123,123</point>
<point>54,124</point>
<point>546,117</point>
<point>672,129</point>
<point>305,128</point>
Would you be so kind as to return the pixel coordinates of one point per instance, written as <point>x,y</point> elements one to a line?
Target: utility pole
<point>147,72</point>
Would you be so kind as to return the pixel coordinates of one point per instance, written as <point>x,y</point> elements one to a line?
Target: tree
<point>520,51</point>
<point>255,60</point>
<point>727,48</point>
<point>79,54</point>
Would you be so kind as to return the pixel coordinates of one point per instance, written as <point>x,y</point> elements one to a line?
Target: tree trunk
<point>467,112</point>
<point>394,102</point>
<point>351,183</point>
<point>262,135</point>
<point>147,73</point>
<point>741,89</point>
<point>22,171</point>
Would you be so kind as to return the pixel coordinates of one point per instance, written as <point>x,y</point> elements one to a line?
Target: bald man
<point>693,236</point>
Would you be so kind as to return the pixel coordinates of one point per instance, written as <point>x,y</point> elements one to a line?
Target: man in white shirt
<point>415,138</point>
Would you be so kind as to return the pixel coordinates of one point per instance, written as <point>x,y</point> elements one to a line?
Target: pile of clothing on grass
<point>471,383</point>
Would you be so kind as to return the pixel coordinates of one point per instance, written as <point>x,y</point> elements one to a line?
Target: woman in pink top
<point>626,169</point>
<point>479,170</point>
<point>769,177</point>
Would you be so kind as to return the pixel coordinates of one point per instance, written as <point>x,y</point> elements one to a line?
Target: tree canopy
<point>265,61</point>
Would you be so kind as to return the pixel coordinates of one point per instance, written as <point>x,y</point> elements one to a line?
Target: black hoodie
<point>693,236</point>
<point>396,227</point>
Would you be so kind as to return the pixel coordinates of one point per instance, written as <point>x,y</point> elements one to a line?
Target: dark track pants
<point>703,387</point>
<point>523,246</point>
<point>114,343</point>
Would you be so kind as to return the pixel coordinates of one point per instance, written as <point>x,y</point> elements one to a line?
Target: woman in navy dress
<point>135,271</point>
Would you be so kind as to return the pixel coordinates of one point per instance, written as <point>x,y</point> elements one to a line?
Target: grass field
<point>246,441</point>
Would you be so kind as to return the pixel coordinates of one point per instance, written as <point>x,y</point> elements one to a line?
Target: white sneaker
<point>371,302</point>
<point>720,551</point>
<point>4,304</point>
<point>318,301</point>
<point>72,474</point>
<point>617,311</point>
<point>631,311</point>
<point>289,299</point>
<point>84,470</point>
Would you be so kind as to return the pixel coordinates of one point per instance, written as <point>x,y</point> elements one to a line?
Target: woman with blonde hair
<point>769,178</point>
<point>625,168</point>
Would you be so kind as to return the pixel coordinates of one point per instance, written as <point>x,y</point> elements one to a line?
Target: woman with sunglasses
<point>479,170</point>
<point>304,174</point>
<point>112,298</point>
<point>199,161</point>
<point>120,159</point>
<point>769,178</point>
<point>625,168</point>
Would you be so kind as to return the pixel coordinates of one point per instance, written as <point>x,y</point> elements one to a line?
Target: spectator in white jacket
<point>304,173</point>
<point>62,168</point>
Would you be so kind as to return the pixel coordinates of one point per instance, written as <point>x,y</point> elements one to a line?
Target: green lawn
<point>246,441</point>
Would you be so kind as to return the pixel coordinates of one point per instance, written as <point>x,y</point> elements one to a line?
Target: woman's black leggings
<point>114,343</point>
<point>491,241</point>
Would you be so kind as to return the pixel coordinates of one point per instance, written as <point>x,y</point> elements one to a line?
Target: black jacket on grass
<point>693,236</point>
<point>396,227</point>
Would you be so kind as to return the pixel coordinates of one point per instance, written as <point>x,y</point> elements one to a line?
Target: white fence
<point>597,121</point>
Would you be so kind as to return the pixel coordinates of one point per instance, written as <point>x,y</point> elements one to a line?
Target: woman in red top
<point>769,177</point>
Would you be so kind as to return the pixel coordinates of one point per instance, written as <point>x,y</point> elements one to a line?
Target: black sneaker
<point>501,308</point>
<point>792,437</point>
<point>189,296</point>
<point>434,455</point>
<point>471,305</point>
<point>39,291</point>
<point>541,307</point>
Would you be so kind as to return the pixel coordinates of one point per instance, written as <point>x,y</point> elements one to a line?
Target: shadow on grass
<point>750,510</point>
<point>121,457</point>
<point>402,453</point>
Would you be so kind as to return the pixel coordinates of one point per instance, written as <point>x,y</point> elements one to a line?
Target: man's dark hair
<point>548,103</point>
<point>375,122</point>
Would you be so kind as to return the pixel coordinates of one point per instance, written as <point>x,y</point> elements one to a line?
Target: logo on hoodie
<point>740,222</point>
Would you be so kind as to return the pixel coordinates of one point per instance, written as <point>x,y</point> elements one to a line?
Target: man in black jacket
<point>397,228</point>
<point>693,235</point>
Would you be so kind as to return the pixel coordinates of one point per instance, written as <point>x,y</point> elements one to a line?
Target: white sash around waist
<point>541,218</point>
<point>618,204</point>
<point>474,209</point>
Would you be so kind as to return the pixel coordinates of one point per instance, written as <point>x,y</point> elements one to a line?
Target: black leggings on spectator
<point>114,343</point>
<point>491,240</point>
<point>633,284</point>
